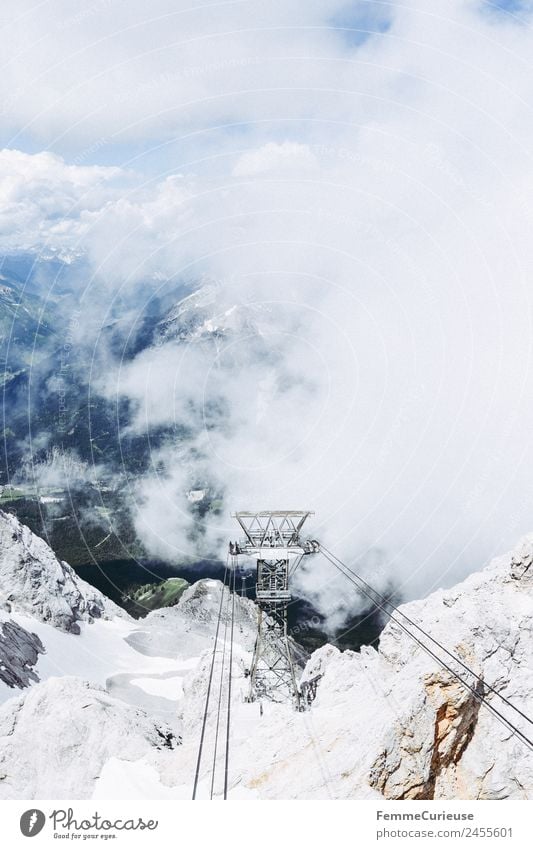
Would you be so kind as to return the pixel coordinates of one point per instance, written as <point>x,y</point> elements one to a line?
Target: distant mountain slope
<point>34,582</point>
<point>26,327</point>
<point>54,403</point>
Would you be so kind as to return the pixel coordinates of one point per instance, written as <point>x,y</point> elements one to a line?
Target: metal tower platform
<point>273,539</point>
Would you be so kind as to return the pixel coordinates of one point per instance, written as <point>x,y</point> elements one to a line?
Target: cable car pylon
<point>273,539</point>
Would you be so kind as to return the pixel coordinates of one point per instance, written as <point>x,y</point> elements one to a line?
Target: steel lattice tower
<point>273,539</point>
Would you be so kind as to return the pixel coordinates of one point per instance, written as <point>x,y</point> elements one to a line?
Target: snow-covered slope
<point>105,692</point>
<point>56,739</point>
<point>113,701</point>
<point>204,315</point>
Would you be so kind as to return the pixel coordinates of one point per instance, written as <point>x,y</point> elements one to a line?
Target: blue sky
<point>110,84</point>
<point>359,22</point>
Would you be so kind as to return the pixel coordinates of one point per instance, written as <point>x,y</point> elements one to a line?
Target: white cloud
<point>377,218</point>
<point>42,199</point>
<point>131,70</point>
<point>288,157</point>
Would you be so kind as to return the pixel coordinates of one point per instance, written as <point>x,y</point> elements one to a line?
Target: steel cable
<point>208,693</point>
<point>228,721</point>
<point>478,696</point>
<point>221,688</point>
<point>450,654</point>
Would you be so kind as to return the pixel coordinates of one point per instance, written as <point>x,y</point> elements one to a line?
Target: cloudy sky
<point>357,176</point>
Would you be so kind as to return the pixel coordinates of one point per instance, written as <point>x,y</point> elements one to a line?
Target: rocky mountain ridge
<point>34,581</point>
<point>389,723</point>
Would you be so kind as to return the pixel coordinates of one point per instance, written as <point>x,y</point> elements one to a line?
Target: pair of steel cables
<point>479,689</point>
<point>222,728</point>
